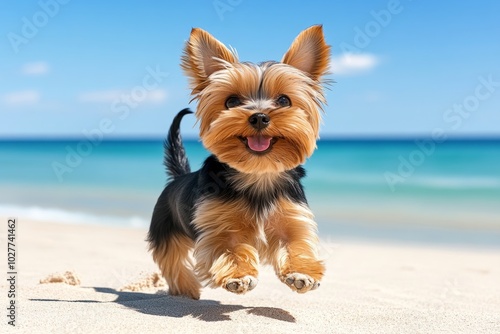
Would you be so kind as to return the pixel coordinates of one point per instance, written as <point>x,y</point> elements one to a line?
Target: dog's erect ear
<point>309,52</point>
<point>202,57</point>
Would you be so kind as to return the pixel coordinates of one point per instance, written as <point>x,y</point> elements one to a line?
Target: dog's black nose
<point>259,121</point>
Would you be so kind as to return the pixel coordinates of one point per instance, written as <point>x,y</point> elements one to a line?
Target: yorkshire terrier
<point>246,204</point>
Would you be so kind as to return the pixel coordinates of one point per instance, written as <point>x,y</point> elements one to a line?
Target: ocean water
<point>399,190</point>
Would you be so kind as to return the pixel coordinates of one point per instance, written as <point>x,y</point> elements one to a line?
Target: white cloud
<point>110,96</point>
<point>353,63</point>
<point>21,98</point>
<point>36,68</point>
<point>157,96</point>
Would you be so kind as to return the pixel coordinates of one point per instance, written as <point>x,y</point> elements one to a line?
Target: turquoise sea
<point>398,190</point>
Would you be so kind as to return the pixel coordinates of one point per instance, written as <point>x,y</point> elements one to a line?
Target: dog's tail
<point>175,160</point>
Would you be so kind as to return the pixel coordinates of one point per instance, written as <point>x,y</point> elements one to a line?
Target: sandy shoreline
<point>369,288</point>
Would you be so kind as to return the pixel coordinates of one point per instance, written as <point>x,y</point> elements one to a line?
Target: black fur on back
<point>175,160</point>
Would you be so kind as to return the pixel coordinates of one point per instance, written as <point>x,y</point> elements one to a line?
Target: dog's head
<point>258,118</point>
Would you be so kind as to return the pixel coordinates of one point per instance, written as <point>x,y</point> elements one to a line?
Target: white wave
<point>57,215</point>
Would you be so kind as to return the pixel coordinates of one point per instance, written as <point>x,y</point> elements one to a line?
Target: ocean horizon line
<point>338,139</point>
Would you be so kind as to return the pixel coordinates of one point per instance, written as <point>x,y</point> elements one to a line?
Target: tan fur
<point>176,266</point>
<point>292,242</point>
<point>309,52</point>
<point>258,183</point>
<point>232,236</point>
<point>226,247</point>
<point>295,128</point>
<point>202,57</point>
<point>233,239</point>
<point>216,74</point>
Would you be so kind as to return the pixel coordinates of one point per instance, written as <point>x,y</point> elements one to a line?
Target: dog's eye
<point>232,101</point>
<point>284,101</point>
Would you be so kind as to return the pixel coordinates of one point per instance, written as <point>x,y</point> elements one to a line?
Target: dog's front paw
<point>300,282</point>
<point>240,285</point>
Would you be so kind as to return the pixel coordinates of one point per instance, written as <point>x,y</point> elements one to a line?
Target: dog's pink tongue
<point>259,143</point>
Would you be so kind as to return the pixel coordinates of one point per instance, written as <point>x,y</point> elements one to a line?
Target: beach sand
<point>369,288</point>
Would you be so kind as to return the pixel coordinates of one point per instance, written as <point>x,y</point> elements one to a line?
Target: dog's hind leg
<point>173,258</point>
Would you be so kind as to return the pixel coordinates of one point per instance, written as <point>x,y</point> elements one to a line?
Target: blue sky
<point>402,68</point>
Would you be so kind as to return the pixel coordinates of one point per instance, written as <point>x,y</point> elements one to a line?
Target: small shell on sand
<point>69,277</point>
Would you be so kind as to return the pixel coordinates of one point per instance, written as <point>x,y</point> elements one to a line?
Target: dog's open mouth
<point>259,143</point>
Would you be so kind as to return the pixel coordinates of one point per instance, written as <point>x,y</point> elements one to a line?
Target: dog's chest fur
<point>259,192</point>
